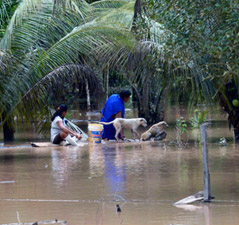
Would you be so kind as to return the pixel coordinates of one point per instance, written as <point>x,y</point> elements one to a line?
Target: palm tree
<point>46,42</point>
<point>40,46</point>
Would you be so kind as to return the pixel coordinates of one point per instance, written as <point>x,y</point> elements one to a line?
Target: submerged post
<point>204,195</point>
<point>206,174</point>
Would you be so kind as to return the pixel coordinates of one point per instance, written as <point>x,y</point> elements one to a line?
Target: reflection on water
<point>83,185</point>
<point>62,164</point>
<point>96,161</point>
<point>115,168</point>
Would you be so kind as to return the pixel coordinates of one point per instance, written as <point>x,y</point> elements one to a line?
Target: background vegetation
<point>185,50</point>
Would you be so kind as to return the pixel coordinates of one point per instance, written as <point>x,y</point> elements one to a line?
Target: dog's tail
<point>107,123</point>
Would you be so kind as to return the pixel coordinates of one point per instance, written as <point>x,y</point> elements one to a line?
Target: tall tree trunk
<point>107,82</point>
<point>137,9</point>
<point>145,98</point>
<point>137,13</point>
<point>88,99</point>
<point>236,134</point>
<point>226,98</point>
<point>87,94</point>
<point>8,127</point>
<point>134,98</point>
<point>143,101</point>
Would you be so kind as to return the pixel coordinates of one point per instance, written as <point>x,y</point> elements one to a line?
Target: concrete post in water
<point>206,194</point>
<point>206,174</point>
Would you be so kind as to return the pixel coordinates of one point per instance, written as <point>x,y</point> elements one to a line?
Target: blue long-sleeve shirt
<point>113,105</point>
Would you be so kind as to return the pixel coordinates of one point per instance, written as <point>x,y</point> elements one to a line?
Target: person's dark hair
<point>59,110</point>
<point>124,94</point>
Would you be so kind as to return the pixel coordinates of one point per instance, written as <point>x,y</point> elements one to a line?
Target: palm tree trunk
<point>225,100</point>
<point>236,135</point>
<point>137,13</point>
<point>137,9</point>
<point>8,127</point>
<point>145,98</point>
<point>107,83</point>
<point>87,94</point>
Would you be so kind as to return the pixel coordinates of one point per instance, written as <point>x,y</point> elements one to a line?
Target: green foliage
<point>181,129</point>
<point>7,8</point>
<point>199,118</point>
<point>45,42</point>
<point>40,49</point>
<point>190,47</point>
<point>203,35</point>
<point>181,124</point>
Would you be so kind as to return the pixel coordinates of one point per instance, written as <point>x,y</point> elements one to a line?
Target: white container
<point>95,131</point>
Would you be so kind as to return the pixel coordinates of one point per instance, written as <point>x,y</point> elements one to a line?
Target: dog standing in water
<point>130,124</point>
<point>154,131</point>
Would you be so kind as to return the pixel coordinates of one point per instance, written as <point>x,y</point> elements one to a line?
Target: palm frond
<point>3,10</point>
<point>3,60</point>
<point>118,13</point>
<point>109,4</point>
<point>25,8</point>
<point>72,73</point>
<point>37,18</point>
<point>122,16</point>
<point>86,41</point>
<point>42,43</point>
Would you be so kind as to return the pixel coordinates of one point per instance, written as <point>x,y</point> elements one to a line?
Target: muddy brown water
<point>83,185</point>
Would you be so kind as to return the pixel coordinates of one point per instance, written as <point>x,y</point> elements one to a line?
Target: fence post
<point>206,174</point>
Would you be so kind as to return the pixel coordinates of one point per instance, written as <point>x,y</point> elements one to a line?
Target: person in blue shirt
<point>114,108</point>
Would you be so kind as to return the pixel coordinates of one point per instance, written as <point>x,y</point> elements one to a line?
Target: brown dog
<point>153,131</point>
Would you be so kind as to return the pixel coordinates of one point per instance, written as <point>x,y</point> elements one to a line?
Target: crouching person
<point>114,108</point>
<point>59,130</point>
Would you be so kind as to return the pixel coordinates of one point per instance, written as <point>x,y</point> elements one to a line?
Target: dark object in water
<point>160,136</point>
<point>118,209</point>
<point>36,223</point>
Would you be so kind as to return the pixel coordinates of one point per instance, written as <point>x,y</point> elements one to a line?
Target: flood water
<point>83,185</point>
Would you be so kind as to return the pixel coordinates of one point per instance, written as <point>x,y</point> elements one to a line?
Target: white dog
<point>130,124</point>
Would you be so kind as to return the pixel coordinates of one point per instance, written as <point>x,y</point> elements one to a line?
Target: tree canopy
<point>204,34</point>
<point>155,45</point>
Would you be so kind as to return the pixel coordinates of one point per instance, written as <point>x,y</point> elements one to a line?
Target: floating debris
<point>8,182</point>
<point>223,141</point>
<point>192,198</point>
<point>94,113</point>
<point>62,222</point>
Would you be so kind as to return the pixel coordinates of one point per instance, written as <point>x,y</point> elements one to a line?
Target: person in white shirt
<point>59,130</point>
